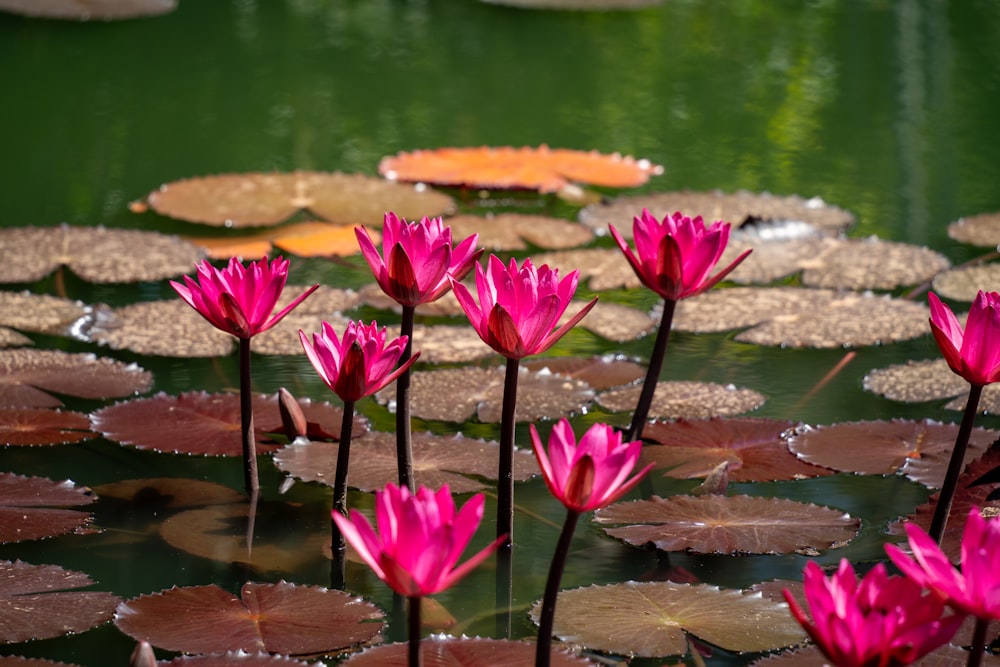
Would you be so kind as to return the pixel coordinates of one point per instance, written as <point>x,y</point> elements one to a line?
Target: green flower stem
<point>652,373</point>
<point>250,480</point>
<point>414,631</point>
<point>404,446</point>
<point>978,642</point>
<point>950,485</point>
<point>340,478</point>
<point>543,649</point>
<point>505,475</point>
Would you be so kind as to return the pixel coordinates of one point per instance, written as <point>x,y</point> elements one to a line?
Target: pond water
<point>885,109</point>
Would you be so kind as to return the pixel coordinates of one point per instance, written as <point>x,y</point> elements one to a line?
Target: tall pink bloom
<point>519,307</point>
<point>674,257</point>
<point>590,474</point>
<point>360,363</point>
<point>417,258</point>
<point>420,538</point>
<point>238,299</point>
<point>975,352</point>
<point>881,621</point>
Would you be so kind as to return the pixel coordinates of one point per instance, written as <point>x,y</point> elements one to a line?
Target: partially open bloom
<point>519,307</point>
<point>360,363</point>
<point>590,474</point>
<point>419,540</point>
<point>676,255</point>
<point>973,590</point>
<point>975,352</point>
<point>881,621</point>
<point>418,258</point>
<point>238,299</point>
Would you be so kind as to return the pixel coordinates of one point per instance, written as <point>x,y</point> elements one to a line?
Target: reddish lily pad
<point>18,661</point>
<point>437,460</point>
<point>26,376</point>
<point>444,651</point>
<point>40,312</point>
<point>981,230</point>
<point>28,508</point>
<point>276,618</point>
<point>85,10</point>
<point>169,493</point>
<point>242,200</point>
<point>37,602</point>
<point>38,426</point>
<point>690,400</point>
<point>919,449</point>
<point>206,424</point>
<point>236,659</point>
<point>713,524</point>
<point>651,619</point>
<point>598,372</point>
<point>509,231</point>
<point>754,448</point>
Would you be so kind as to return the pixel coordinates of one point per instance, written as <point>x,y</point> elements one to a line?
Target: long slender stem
<point>340,478</point>
<point>652,373</point>
<point>543,649</point>
<point>404,442</point>
<point>950,485</point>
<point>250,480</point>
<point>505,474</point>
<point>414,631</point>
<point>504,601</point>
<point>978,642</point>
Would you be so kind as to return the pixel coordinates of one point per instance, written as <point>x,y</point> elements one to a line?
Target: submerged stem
<point>652,373</point>
<point>947,495</point>
<point>250,480</point>
<point>543,649</point>
<point>404,443</point>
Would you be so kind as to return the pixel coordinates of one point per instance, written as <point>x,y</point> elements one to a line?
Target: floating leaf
<point>323,305</point>
<point>447,306</point>
<point>11,338</point>
<point>981,230</point>
<point>650,619</point>
<point>96,254</point>
<point>920,448</point>
<point>236,659</point>
<point>168,328</point>
<point>27,508</point>
<point>168,493</point>
<point>598,372</point>
<point>509,231</point>
<point>305,239</point>
<point>614,321</point>
<point>606,268</point>
<point>40,312</point>
<point>928,380</point>
<point>17,661</point>
<point>437,460</point>
<point>754,448</point>
<point>713,524</point>
<point>86,10</point>
<point>444,651</point>
<point>36,602</point>
<point>770,259</point>
<point>544,169</point>
<point>690,400</point>
<point>205,424</point>
<point>448,344</point>
<point>245,200</point>
<point>872,264</point>
<point>456,394</point>
<point>26,376</point>
<point>277,618</point>
<point>37,426</point>
<point>962,284</point>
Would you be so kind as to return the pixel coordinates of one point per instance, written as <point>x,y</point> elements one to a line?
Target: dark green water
<point>886,109</point>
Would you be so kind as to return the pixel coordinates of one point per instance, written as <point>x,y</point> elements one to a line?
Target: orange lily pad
<point>305,239</point>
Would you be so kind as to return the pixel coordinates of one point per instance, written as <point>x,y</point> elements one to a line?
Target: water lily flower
<point>975,352</point>
<point>420,538</point>
<point>238,299</point>
<point>417,258</point>
<point>881,621</point>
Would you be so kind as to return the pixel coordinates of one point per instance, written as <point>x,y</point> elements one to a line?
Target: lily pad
<point>18,661</point>
<point>11,338</point>
<point>614,321</point>
<point>27,375</point>
<point>928,380</point>
<point>437,460</point>
<point>449,344</point>
<point>770,259</point>
<point>165,493</point>
<point>650,619</point>
<point>598,372</point>
<point>169,328</point>
<point>323,305</point>
<point>236,659</point>
<point>38,602</point>
<point>713,524</point>
<point>40,312</point>
<point>444,651</point>
<point>28,508</point>
<point>918,449</point>
<point>962,284</point>
<point>690,400</point>
<point>96,254</point>
<point>305,239</point>
<point>85,10</point>
<point>276,618</point>
<point>260,199</point>
<point>981,230</point>
<point>606,268</point>
<point>514,231</point>
<point>872,264</point>
<point>38,426</point>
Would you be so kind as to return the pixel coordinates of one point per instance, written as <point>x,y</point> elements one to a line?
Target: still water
<point>887,109</point>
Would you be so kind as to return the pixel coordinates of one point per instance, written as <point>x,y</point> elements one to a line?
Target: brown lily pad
<point>771,259</point>
<point>754,448</point>
<point>449,344</point>
<point>11,338</point>
<point>260,199</point>
<point>514,231</point>
<point>981,230</point>
<point>928,380</point>
<point>40,312</point>
<point>169,328</point>
<point>96,254</point>
<point>447,306</point>
<point>276,618</point>
<point>690,400</point>
<point>169,493</point>
<point>27,375</point>
<point>713,524</point>
<point>651,619</point>
<point>86,10</point>
<point>38,426</point>
<point>443,651</point>
<point>38,602</point>
<point>614,321</point>
<point>323,305</point>
<point>31,508</point>
<point>918,449</point>
<point>606,268</point>
<point>598,372</point>
<point>437,460</point>
<point>236,659</point>
<point>872,264</point>
<point>962,284</point>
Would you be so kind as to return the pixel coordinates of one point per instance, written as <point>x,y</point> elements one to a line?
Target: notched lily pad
<point>981,230</point>
<point>38,426</point>
<point>38,602</point>
<point>514,231</point>
<point>96,254</point>
<point>31,508</point>
<point>277,618</point>
<point>690,400</point>
<point>259,199</point>
<point>651,619</point>
<point>444,651</point>
<point>85,10</point>
<point>40,312</point>
<point>713,524</point>
<point>27,375</point>
<point>962,284</point>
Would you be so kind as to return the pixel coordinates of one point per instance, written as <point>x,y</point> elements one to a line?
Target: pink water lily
<point>881,621</point>
<point>417,258</point>
<point>420,538</point>
<point>674,257</point>
<point>360,363</point>
<point>590,474</point>
<point>238,299</point>
<point>973,353</point>
<point>519,307</point>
